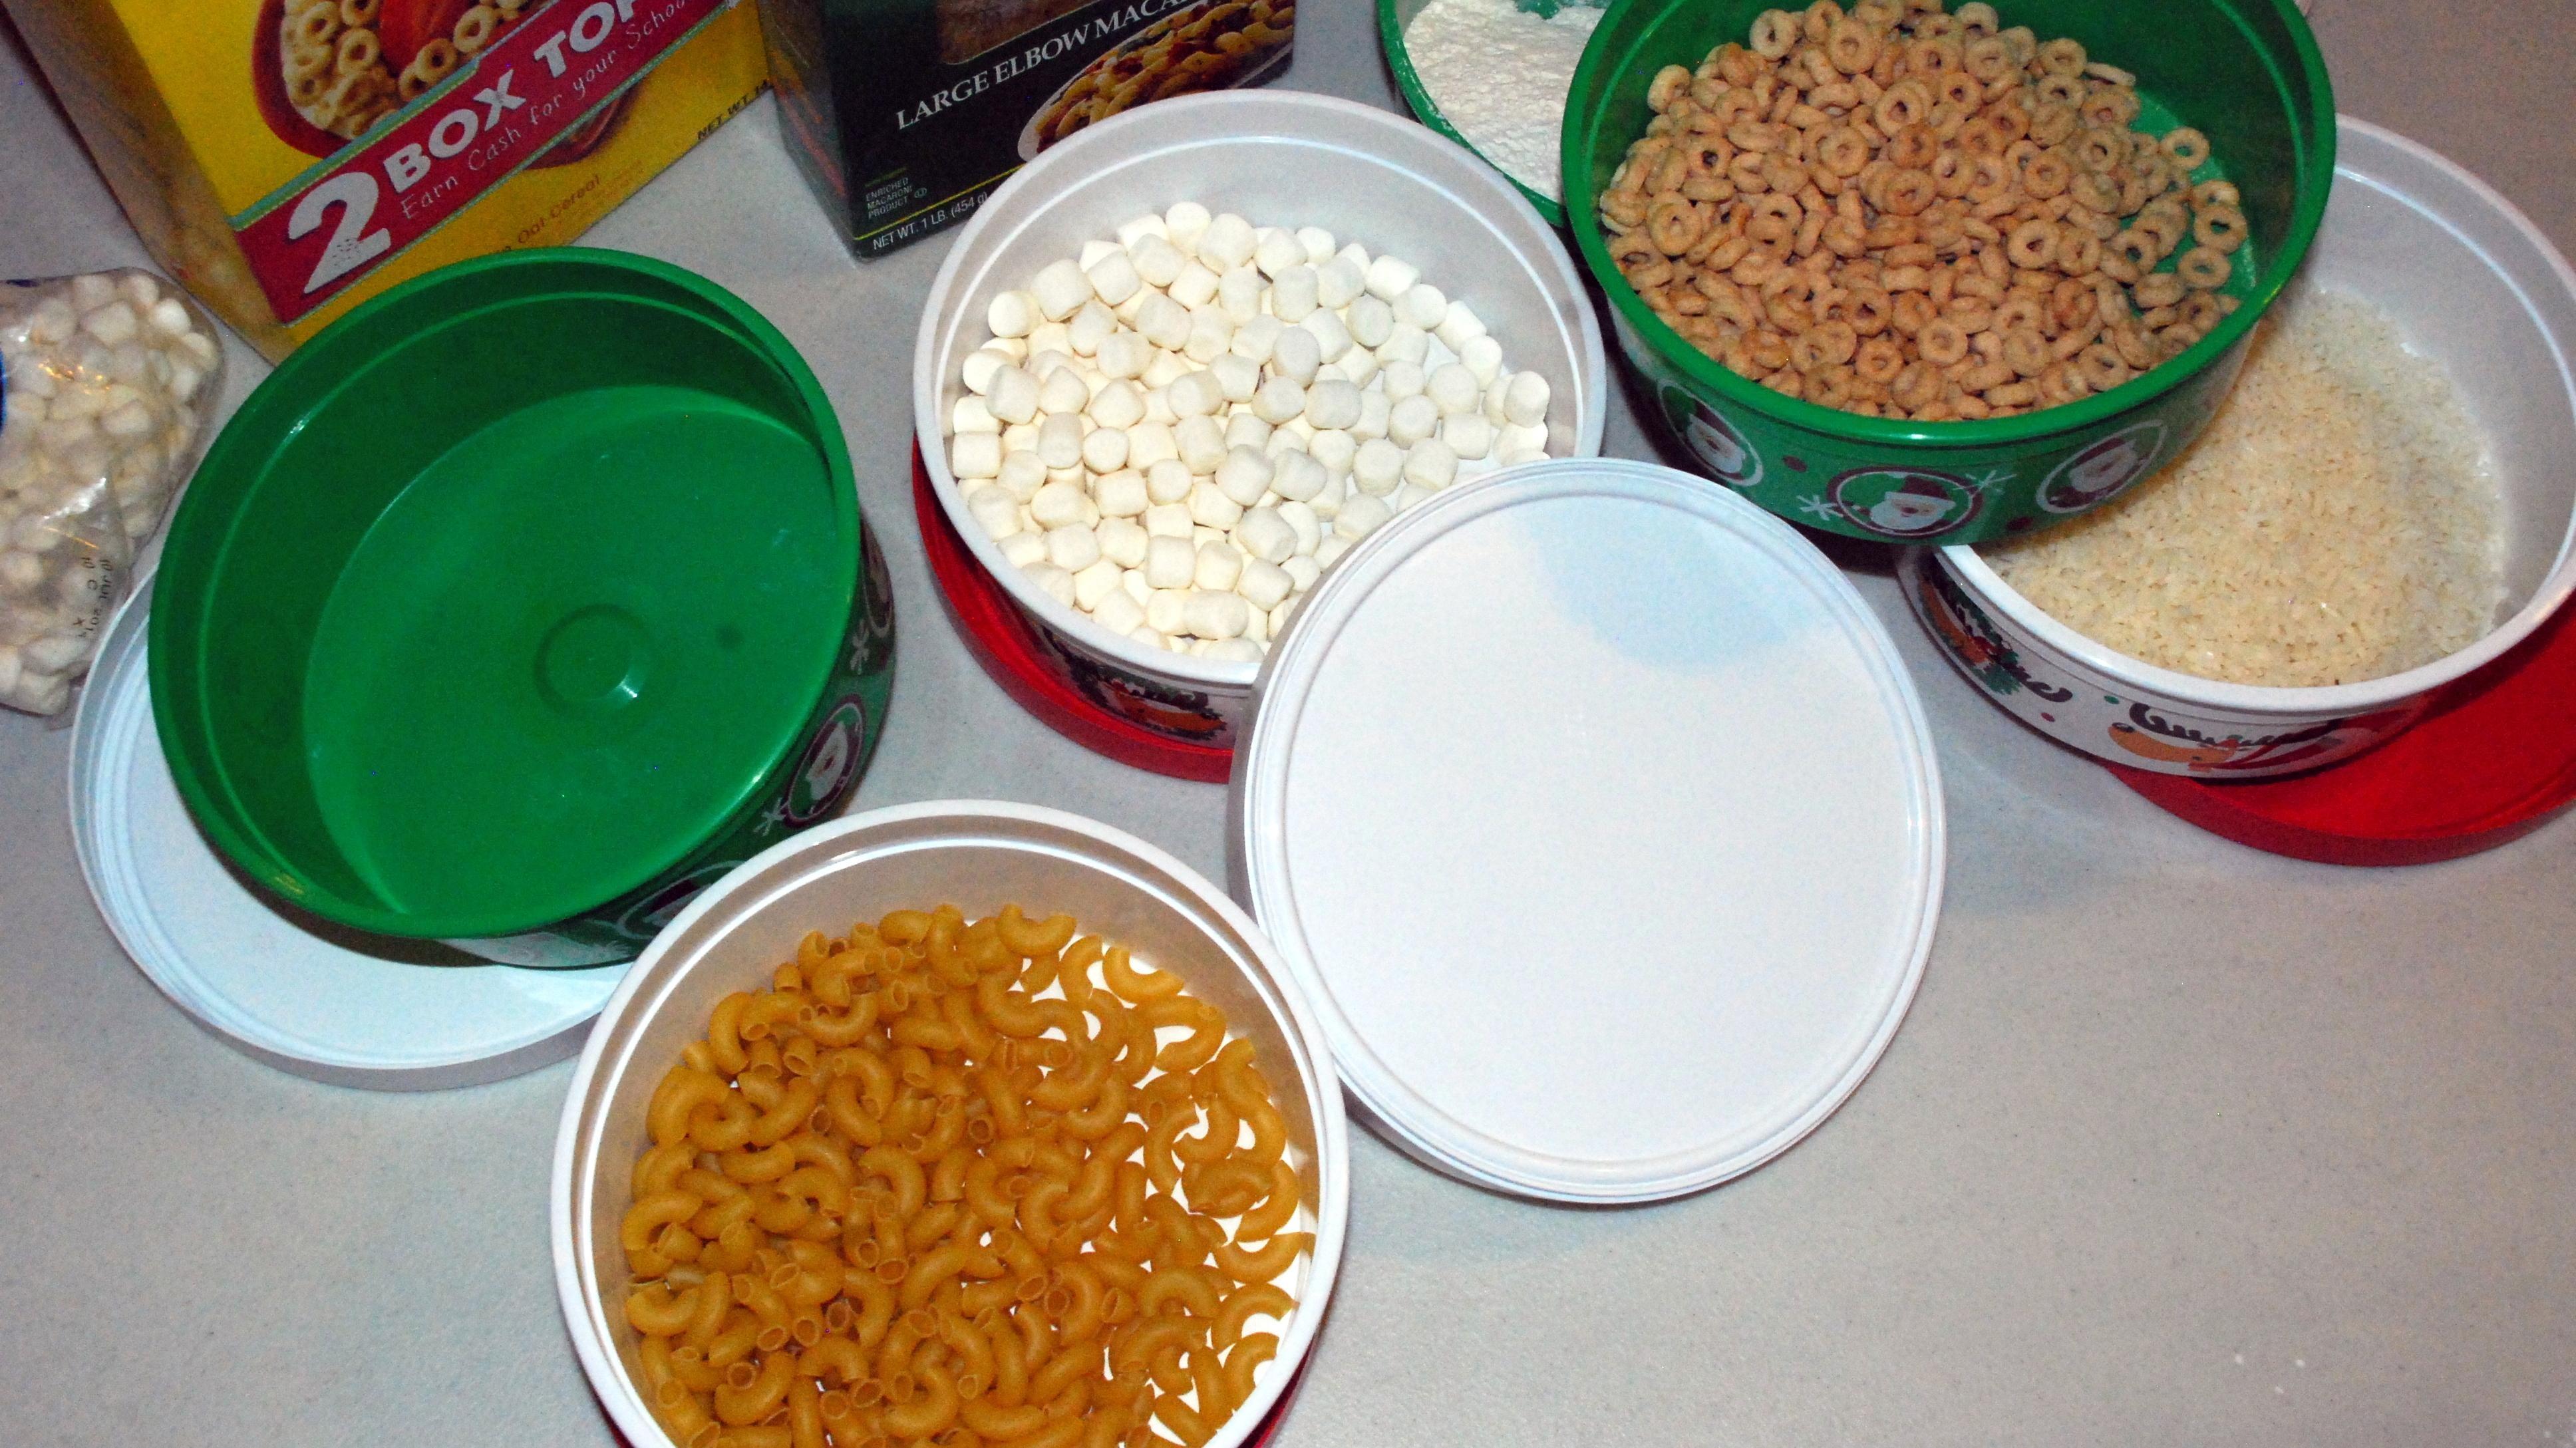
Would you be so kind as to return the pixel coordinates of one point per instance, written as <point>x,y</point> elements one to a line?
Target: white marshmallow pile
<point>105,379</point>
<point>1177,432</point>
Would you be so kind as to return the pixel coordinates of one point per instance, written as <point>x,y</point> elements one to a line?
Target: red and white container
<point>1278,158</point>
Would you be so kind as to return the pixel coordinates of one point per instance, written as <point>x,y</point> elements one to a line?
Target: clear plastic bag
<point>105,382</point>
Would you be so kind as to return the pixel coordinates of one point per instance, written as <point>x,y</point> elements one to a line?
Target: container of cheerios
<point>954,1116</point>
<point>521,603</point>
<point>1910,273</point>
<point>1181,362</point>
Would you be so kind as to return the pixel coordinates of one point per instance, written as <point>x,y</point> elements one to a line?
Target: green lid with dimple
<point>504,594</point>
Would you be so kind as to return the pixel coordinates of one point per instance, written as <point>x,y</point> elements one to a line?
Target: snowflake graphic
<point>774,818</point>
<point>1986,482</point>
<point>1819,508</point>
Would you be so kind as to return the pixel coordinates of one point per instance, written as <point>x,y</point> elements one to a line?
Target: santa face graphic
<point>2104,470</point>
<point>1729,458</point>
<point>1904,502</point>
<point>1909,513</point>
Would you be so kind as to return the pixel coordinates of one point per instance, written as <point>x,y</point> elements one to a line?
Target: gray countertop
<point>2182,1143</point>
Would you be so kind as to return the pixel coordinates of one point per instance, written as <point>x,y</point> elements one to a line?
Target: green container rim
<point>1390,35</point>
<point>210,802</point>
<point>2315,172</point>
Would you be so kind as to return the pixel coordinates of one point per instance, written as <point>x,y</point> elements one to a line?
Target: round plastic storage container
<point>1278,158</point>
<point>2469,283</point>
<point>1393,17</point>
<point>977,856</point>
<point>2245,72</point>
<point>521,603</point>
<point>1598,817</point>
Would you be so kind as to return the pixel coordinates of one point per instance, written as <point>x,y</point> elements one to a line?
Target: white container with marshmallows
<point>1179,365</point>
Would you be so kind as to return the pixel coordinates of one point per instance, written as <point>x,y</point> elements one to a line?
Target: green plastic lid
<point>504,594</point>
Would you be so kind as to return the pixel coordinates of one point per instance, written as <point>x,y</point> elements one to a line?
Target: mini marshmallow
<point>1451,388</point>
<point>1211,331</point>
<point>1167,482</point>
<point>1358,365</point>
<point>1264,584</point>
<point>1289,436</point>
<point>1120,613</point>
<point>1302,520</point>
<point>1332,338</point>
<point>1305,568</point>
<point>1158,263</point>
<point>1459,327</point>
<point>1277,251</point>
<point>1233,651</point>
<point>1195,395</point>
<point>1217,615</point>
<point>1136,228</point>
<point>1237,378</point>
<point>1278,400</point>
<point>1525,405</point>
<point>1422,304</point>
<point>1253,340</point>
<point>113,324</point>
<point>1059,505</point>
<point>1120,404</point>
<point>1201,444</point>
<point>1430,465</point>
<point>1072,547</point>
<point>1185,222</point>
<point>975,455</point>
<point>1244,476</point>
<point>1297,476</point>
<point>1212,508</point>
<point>1060,441</point>
<point>1063,391</point>
<point>1391,277</point>
<point>1023,473</point>
<point>1410,421</point>
<point>1120,494</point>
<point>990,505</point>
<point>1327,553</point>
<point>1060,289</point>
<point>1090,327</point>
<point>1124,355</point>
<point>1339,282</point>
<point>1104,449</point>
<point>1166,612</point>
<point>1169,520</point>
<point>1170,562</point>
<point>1015,349</point>
<point>1403,380</point>
<point>1318,244</point>
<point>1239,292</point>
<point>1405,343</point>
<point>1164,322</point>
<point>1468,435</point>
<point>1332,404</point>
<point>1024,548</point>
<point>1482,356</point>
<point>1044,362</point>
<point>1245,429</point>
<point>1052,581</point>
<point>1515,443</point>
<point>1218,566</point>
<point>1490,403</point>
<point>1018,437</point>
<point>1376,467</point>
<point>1095,249</point>
<point>1264,534</point>
<point>978,369</point>
<point>1013,396</point>
<point>1227,243</point>
<point>1113,277</point>
<point>1292,293</point>
<point>1122,541</point>
<point>1333,448</point>
<point>1166,369</point>
<point>1195,286</point>
<point>1371,321</point>
<point>1361,516</point>
<point>969,414</point>
<point>1095,583</point>
<point>1150,442</point>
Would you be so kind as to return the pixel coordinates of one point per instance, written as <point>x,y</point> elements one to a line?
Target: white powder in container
<point>1499,77</point>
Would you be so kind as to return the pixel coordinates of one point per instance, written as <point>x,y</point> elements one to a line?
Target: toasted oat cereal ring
<point>1918,385</point>
<point>1775,32</point>
<point>2010,121</point>
<point>2033,244</point>
<point>1909,193</point>
<point>2215,193</point>
<point>1987,59</point>
<point>475,29</point>
<point>1852,46</point>
<point>315,61</point>
<point>436,60</point>
<point>317,26</point>
<point>356,50</point>
<point>1913,148</point>
<point>2204,267</point>
<point>2061,57</point>
<point>2026,352</point>
<point>1903,104</point>
<point>2203,311</point>
<point>2059,90</point>
<point>2160,290</point>
<point>2137,250</point>
<point>1879,361</point>
<point>306,90</point>
<point>1978,18</point>
<point>2220,228</point>
<point>2099,150</point>
<point>2018,312</point>
<point>2187,148</point>
<point>2047,175</point>
<point>1670,82</point>
<point>2101,367</point>
<point>2079,252</point>
<point>1942,342</point>
<point>1843,151</point>
<point>1673,224</point>
<point>1931,55</point>
<point>360,12</point>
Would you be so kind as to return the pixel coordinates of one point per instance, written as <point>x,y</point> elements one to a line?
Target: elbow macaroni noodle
<point>942,1184</point>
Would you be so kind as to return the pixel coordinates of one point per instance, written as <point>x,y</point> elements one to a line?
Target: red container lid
<point>2494,760</point>
<point>1010,651</point>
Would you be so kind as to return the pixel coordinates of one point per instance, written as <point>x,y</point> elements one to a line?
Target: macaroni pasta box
<point>905,114</point>
<point>288,159</point>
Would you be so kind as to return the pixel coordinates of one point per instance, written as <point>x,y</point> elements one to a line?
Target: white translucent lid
<point>1597,813</point>
<point>297,993</point>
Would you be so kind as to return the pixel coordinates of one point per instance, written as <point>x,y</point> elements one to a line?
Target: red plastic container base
<point>1011,652</point>
<point>2493,761</point>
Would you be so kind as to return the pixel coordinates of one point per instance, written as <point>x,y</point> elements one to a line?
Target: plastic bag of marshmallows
<point>105,382</point>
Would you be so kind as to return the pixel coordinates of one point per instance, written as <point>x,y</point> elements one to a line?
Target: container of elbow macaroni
<point>979,856</point>
<point>520,605</point>
<point>1595,812</point>
<point>1277,158</point>
<point>285,160</point>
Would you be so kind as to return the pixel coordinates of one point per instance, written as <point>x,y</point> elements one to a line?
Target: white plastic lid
<point>1598,815</point>
<point>343,1008</point>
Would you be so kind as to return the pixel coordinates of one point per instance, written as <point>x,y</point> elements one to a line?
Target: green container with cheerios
<point>2167,164</point>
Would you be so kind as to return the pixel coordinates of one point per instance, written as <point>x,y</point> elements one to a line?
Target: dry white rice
<point>2339,521</point>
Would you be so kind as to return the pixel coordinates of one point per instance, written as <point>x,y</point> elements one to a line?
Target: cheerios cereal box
<point>287,159</point>
<point>905,114</point>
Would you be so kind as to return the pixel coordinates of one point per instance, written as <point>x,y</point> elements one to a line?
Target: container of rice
<point>2383,507</point>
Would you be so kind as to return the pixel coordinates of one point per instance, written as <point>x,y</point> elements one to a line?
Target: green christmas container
<point>522,602</point>
<point>2246,73</point>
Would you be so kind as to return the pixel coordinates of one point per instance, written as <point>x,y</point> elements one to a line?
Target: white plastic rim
<point>1599,818</point>
<point>302,995</point>
<point>1280,158</point>
<point>2506,339</point>
<point>978,855</point>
